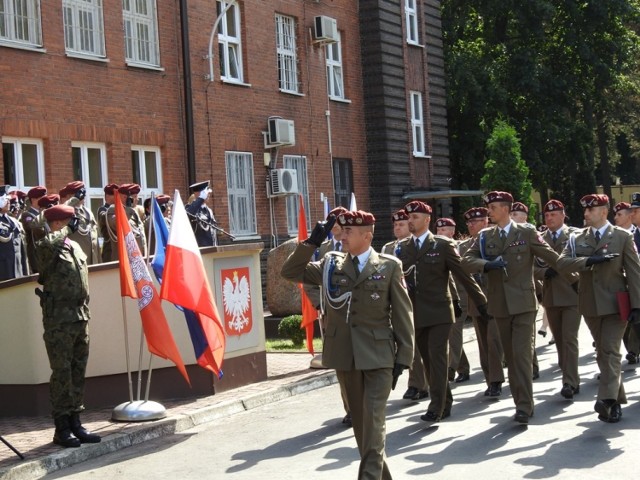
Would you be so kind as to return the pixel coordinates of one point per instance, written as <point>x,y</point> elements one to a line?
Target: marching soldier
<point>34,230</point>
<point>201,216</point>
<point>13,253</point>
<point>126,192</point>
<point>87,233</point>
<point>110,191</point>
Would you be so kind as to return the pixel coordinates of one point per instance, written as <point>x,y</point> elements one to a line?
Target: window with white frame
<point>23,160</point>
<point>240,191</point>
<point>411,20</point>
<point>299,164</point>
<point>83,27</point>
<point>141,32</point>
<point>20,22</point>
<point>287,55</point>
<point>417,124</point>
<point>229,43</point>
<point>335,83</point>
<point>147,170</point>
<point>89,161</point>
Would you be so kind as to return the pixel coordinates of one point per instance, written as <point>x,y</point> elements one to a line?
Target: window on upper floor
<point>240,191</point>
<point>411,21</point>
<point>141,32</point>
<point>342,181</point>
<point>335,82</point>
<point>83,27</point>
<point>417,124</point>
<point>230,43</point>
<point>23,160</point>
<point>146,166</point>
<point>299,164</point>
<point>20,22</point>
<point>89,161</point>
<point>286,53</point>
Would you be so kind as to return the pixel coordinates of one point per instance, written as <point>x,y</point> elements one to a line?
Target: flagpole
<point>151,232</point>
<point>126,346</point>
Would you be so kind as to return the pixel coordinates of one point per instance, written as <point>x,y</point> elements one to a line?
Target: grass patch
<point>284,345</point>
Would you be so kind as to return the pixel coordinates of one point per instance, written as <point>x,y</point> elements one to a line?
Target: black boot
<point>80,432</point>
<point>63,435</point>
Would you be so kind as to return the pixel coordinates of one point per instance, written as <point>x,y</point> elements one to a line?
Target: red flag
<point>309,312</point>
<point>135,282</point>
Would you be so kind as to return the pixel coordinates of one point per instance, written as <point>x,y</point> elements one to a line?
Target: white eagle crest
<point>235,297</point>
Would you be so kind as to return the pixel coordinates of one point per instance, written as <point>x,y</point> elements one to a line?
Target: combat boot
<point>80,432</point>
<point>63,436</point>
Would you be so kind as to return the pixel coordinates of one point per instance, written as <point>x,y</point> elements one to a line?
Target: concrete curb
<point>168,426</point>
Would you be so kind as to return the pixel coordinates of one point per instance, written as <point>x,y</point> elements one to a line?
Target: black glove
<point>596,259</point>
<point>398,368</point>
<point>634,316</point>
<point>74,224</point>
<point>550,273</point>
<point>457,308</point>
<point>495,265</point>
<point>321,231</point>
<point>80,194</point>
<point>484,315</point>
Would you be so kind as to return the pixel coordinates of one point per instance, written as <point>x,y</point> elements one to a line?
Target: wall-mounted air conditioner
<point>325,29</point>
<point>284,181</point>
<point>281,132</point>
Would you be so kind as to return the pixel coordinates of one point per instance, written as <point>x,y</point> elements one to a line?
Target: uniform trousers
<point>515,334</point>
<point>631,341</point>
<point>607,332</point>
<point>490,349</point>
<point>367,392</point>
<point>564,323</point>
<point>417,373</point>
<point>457,360</point>
<point>433,343</point>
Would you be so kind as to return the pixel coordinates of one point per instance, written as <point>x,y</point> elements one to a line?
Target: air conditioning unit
<point>284,181</point>
<point>281,132</point>
<point>325,29</point>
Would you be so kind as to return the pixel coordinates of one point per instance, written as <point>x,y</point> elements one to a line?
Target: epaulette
<point>386,256</point>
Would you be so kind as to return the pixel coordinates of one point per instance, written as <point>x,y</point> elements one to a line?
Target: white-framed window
<point>411,21</point>
<point>299,164</point>
<point>240,192</point>
<point>141,32</point>
<point>89,161</point>
<point>230,43</point>
<point>83,27</point>
<point>286,53</point>
<point>23,160</point>
<point>335,82</point>
<point>146,166</point>
<point>20,22</point>
<point>417,124</point>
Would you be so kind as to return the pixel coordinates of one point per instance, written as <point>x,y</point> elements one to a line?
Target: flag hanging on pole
<point>135,282</point>
<point>353,206</point>
<point>161,233</point>
<point>309,312</point>
<point>185,284</point>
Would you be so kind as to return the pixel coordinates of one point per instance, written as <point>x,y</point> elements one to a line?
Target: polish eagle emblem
<point>236,298</point>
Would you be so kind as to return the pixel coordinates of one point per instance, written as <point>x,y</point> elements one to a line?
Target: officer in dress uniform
<point>201,216</point>
<point>428,261</point>
<point>87,233</point>
<point>164,202</point>
<point>126,192</point>
<point>13,252</point>
<point>506,252</point>
<point>33,230</point>
<point>110,191</point>
<point>369,333</point>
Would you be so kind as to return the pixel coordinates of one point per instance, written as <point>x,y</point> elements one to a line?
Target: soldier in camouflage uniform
<point>33,230</point>
<point>64,299</point>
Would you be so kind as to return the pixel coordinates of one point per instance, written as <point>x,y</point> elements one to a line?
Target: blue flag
<point>161,232</point>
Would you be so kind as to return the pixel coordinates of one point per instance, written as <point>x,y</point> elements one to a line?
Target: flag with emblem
<point>309,312</point>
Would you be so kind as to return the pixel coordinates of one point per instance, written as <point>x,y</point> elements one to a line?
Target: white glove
<point>4,199</point>
<point>204,193</point>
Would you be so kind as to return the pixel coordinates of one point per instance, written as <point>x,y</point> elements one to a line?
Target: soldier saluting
<point>201,216</point>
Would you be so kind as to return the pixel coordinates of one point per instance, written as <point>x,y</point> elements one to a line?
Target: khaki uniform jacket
<point>480,278</point>
<point>137,228</point>
<point>373,330</point>
<point>313,291</point>
<point>600,283</point>
<point>562,290</point>
<point>428,275</point>
<point>87,234</point>
<point>513,292</point>
<point>34,231</point>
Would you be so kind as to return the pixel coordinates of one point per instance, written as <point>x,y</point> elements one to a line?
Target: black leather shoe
<point>462,377</point>
<point>487,391</point>
<point>430,417</point>
<point>603,408</point>
<point>632,358</point>
<point>446,413</point>
<point>521,417</point>
<point>410,393</point>
<point>495,389</point>
<point>347,420</point>
<point>568,391</point>
<point>422,394</point>
<point>616,413</point>
<point>536,375</point>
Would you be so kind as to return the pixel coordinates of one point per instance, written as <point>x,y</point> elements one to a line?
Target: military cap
<point>476,212</point>
<point>519,207</point>
<point>445,222</point>
<point>621,206</point>
<point>47,201</point>
<point>553,206</point>
<point>594,200</point>
<point>400,215</point>
<point>163,199</point>
<point>129,188</point>
<point>337,212</point>
<point>356,219</point>
<point>635,200</point>
<point>73,187</point>
<point>111,188</point>
<point>497,196</point>
<point>198,187</point>
<point>37,192</point>
<point>416,206</point>
<point>59,212</point>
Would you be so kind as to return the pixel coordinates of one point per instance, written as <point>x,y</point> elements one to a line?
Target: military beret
<point>64,192</point>
<point>496,196</point>
<point>37,192</point>
<point>519,207</point>
<point>400,215</point>
<point>129,188</point>
<point>635,200</point>
<point>356,219</point>
<point>553,206</point>
<point>476,212</point>
<point>163,199</point>
<point>111,188</point>
<point>621,206</point>
<point>594,200</point>
<point>48,200</point>
<point>198,187</point>
<point>416,206</point>
<point>59,212</point>
<point>445,222</point>
<point>19,194</point>
<point>337,212</point>
<point>73,187</point>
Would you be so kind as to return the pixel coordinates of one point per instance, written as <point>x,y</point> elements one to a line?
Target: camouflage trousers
<point>68,350</point>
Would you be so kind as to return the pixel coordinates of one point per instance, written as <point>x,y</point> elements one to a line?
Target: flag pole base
<point>138,411</point>
<point>316,362</point>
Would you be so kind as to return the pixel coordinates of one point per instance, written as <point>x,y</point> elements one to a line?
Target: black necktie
<point>417,244</point>
<point>338,246</point>
<point>503,235</point>
<point>554,235</point>
<point>597,236</point>
<point>356,264</point>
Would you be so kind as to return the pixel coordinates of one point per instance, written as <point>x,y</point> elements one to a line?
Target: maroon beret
<point>37,192</point>
<point>519,207</point>
<point>111,188</point>
<point>476,212</point>
<point>48,200</point>
<point>445,222</point>
<point>553,206</point>
<point>73,187</point>
<point>400,215</point>
<point>337,212</point>
<point>163,199</point>
<point>59,212</point>
<point>621,206</point>
<point>496,196</point>
<point>594,200</point>
<point>356,219</point>
<point>64,192</point>
<point>129,188</point>
<point>19,194</point>
<point>417,206</point>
